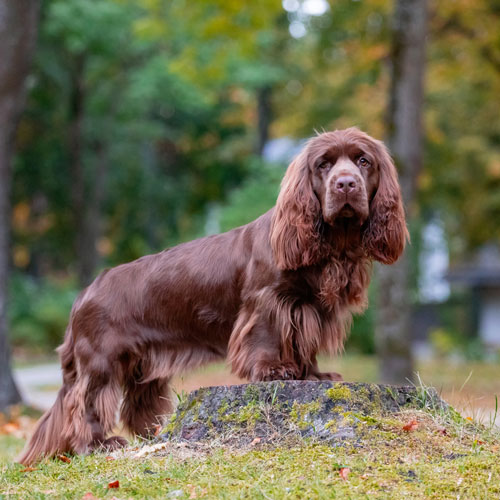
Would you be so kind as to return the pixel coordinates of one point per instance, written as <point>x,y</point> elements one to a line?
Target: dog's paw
<point>334,376</point>
<point>110,444</point>
<point>278,371</point>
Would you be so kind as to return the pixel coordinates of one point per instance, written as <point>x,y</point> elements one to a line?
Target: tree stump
<point>267,412</point>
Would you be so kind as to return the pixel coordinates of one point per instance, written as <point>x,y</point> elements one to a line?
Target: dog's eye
<point>363,162</point>
<point>324,165</point>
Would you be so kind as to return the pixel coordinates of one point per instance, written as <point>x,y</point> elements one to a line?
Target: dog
<point>268,296</point>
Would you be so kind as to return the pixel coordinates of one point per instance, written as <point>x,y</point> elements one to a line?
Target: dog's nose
<point>346,184</point>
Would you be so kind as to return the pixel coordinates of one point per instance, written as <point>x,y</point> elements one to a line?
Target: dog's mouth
<point>346,211</point>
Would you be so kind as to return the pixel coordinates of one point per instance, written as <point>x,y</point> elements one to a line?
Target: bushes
<point>39,311</point>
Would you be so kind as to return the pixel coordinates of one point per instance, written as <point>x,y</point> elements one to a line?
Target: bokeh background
<point>151,122</point>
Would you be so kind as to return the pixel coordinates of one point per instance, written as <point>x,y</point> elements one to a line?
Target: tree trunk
<point>84,244</point>
<point>264,117</point>
<point>18,30</point>
<point>393,332</point>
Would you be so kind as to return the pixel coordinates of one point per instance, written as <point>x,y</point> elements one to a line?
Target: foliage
<point>38,312</point>
<point>168,113</point>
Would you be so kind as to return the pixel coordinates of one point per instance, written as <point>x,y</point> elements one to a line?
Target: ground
<point>412,454</point>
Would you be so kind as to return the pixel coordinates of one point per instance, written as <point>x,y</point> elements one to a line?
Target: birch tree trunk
<point>404,138</point>
<point>18,30</point>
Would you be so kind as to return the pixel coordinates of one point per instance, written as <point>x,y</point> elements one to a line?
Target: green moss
<point>331,425</point>
<point>301,412</point>
<point>248,415</point>
<point>223,408</point>
<point>339,392</point>
<point>252,393</point>
<point>170,427</point>
<point>354,417</point>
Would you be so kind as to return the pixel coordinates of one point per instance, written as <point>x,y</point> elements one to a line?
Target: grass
<point>443,456</point>
<point>461,463</point>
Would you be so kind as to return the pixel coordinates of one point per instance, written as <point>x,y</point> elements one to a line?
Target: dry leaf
<point>114,484</point>
<point>412,425</point>
<point>192,491</point>
<point>64,458</point>
<point>255,441</point>
<point>109,458</point>
<point>9,428</point>
<point>344,473</point>
<point>158,428</point>
<point>89,496</point>
<point>29,469</point>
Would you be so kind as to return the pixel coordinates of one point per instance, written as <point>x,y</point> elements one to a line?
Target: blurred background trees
<point>150,122</point>
<point>18,30</point>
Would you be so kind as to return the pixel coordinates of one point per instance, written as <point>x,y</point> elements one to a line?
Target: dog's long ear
<point>295,239</point>
<point>386,233</point>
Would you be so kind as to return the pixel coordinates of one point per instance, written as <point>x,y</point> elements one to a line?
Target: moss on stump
<point>332,412</point>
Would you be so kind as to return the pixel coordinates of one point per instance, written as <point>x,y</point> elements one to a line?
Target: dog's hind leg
<point>93,406</point>
<point>145,405</point>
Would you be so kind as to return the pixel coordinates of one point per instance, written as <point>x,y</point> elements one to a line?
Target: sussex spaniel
<point>269,296</point>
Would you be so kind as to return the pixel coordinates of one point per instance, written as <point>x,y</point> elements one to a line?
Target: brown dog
<point>269,296</point>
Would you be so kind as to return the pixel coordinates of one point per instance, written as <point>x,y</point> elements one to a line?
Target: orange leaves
<point>344,473</point>
<point>411,426</point>
<point>29,469</point>
<point>196,491</point>
<point>114,484</point>
<point>17,425</point>
<point>64,458</point>
<point>9,428</point>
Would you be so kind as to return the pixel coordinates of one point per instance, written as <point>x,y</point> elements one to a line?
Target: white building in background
<point>433,262</point>
<point>481,275</point>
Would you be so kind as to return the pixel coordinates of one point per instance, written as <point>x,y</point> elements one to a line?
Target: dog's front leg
<point>255,351</point>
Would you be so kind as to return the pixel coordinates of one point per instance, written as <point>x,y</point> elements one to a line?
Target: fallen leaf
<point>344,473</point>
<point>192,491</point>
<point>29,469</point>
<point>158,428</point>
<point>89,496</point>
<point>255,441</point>
<point>469,418</point>
<point>412,425</point>
<point>64,458</point>
<point>109,458</point>
<point>9,428</point>
<point>114,484</point>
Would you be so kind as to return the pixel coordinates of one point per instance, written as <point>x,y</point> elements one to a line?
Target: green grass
<point>402,466</point>
<point>444,457</point>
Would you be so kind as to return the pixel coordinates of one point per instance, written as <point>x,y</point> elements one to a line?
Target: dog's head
<point>340,175</point>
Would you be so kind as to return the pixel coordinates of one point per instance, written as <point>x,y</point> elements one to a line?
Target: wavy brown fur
<point>269,296</point>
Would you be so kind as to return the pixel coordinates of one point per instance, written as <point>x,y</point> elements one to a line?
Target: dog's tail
<point>48,438</point>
